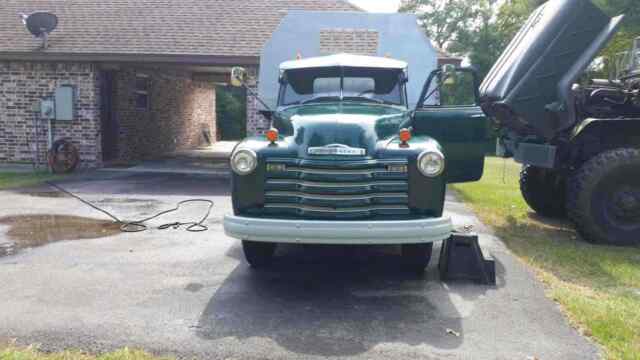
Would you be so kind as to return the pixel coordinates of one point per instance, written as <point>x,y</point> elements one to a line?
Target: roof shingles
<point>234,28</point>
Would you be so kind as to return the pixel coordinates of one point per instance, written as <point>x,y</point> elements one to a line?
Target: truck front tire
<point>258,254</point>
<point>603,198</point>
<point>416,257</point>
<point>544,190</point>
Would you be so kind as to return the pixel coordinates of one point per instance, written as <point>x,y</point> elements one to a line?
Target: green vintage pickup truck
<point>348,162</point>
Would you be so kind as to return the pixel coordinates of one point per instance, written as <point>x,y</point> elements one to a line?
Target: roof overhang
<point>186,59</point>
<point>344,60</point>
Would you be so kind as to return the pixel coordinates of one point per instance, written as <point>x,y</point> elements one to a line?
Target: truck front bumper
<point>338,232</point>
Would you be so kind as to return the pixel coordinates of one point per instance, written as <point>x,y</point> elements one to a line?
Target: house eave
<point>182,59</point>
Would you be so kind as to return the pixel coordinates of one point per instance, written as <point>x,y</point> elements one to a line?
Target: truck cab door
<point>448,110</point>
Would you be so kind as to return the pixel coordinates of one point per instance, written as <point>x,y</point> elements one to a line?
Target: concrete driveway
<point>192,295</point>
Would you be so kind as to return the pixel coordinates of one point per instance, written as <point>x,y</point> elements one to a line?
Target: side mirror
<point>238,76</point>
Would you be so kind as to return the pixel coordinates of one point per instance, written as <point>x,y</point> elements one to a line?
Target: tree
<point>483,43</point>
<point>629,30</point>
<point>443,20</point>
<point>512,14</point>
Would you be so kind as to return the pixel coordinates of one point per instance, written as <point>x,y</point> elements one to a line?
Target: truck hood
<point>352,125</point>
<point>529,87</point>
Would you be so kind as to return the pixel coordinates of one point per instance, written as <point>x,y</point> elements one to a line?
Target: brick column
<point>256,123</point>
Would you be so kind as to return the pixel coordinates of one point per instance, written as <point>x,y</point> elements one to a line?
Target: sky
<point>378,5</point>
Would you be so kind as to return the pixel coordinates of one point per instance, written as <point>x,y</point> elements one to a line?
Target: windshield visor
<point>303,86</point>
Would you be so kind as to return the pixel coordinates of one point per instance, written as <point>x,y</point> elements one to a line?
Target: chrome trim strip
<point>337,164</point>
<point>342,172</point>
<point>340,184</point>
<point>336,149</point>
<point>332,210</point>
<point>336,197</point>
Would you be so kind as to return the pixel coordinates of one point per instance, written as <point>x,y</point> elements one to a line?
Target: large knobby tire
<point>544,190</point>
<point>258,254</point>
<point>416,257</point>
<point>603,198</point>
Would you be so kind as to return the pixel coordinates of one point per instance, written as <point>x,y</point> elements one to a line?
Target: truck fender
<point>624,131</point>
<point>594,136</point>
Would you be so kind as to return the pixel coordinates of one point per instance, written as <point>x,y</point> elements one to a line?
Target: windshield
<point>303,86</point>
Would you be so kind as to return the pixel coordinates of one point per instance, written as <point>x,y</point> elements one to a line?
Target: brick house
<point>143,72</point>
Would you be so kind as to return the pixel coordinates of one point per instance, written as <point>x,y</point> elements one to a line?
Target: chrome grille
<point>337,189</point>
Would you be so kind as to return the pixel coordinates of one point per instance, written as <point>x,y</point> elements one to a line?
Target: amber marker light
<point>405,136</point>
<point>272,135</point>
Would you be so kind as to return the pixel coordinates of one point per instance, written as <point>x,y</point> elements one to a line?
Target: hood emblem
<point>337,149</point>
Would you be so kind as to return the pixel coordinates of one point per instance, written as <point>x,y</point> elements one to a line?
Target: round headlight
<point>431,163</point>
<point>244,161</point>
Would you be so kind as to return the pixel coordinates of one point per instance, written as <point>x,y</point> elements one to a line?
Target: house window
<point>142,92</point>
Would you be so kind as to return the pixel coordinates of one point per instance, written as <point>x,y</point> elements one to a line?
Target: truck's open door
<point>448,110</point>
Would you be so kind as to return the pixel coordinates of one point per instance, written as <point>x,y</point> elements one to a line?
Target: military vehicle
<point>347,162</point>
<point>578,139</point>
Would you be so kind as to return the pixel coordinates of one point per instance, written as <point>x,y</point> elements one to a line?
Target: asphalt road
<point>192,295</point>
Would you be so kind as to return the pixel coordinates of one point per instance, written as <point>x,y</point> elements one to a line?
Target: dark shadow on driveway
<point>335,301</point>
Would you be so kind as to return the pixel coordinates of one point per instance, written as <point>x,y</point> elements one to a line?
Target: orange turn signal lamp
<point>404,135</point>
<point>272,135</point>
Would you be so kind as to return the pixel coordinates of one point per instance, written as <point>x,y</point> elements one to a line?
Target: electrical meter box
<point>47,109</point>
<point>64,109</point>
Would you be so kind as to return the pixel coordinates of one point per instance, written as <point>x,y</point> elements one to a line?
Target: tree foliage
<point>443,20</point>
<point>629,30</point>
<point>481,29</point>
<point>483,43</point>
<point>512,14</point>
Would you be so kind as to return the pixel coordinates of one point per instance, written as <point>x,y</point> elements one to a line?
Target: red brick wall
<point>23,84</point>
<point>179,110</point>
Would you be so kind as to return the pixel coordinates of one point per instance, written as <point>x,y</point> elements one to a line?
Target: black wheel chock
<point>461,258</point>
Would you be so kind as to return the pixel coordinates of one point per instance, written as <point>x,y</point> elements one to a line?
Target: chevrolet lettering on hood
<point>347,162</point>
<point>336,149</point>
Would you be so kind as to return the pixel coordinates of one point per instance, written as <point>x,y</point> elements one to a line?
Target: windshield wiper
<point>320,97</point>
<point>378,101</point>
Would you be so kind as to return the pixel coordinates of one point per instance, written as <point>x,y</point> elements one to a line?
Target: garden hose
<point>139,225</point>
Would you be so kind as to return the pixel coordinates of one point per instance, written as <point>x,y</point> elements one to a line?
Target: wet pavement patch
<point>26,231</point>
<point>45,194</point>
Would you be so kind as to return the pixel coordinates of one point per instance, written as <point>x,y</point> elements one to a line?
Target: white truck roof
<point>344,60</point>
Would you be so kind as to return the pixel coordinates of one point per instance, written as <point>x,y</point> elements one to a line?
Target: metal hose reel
<point>63,157</point>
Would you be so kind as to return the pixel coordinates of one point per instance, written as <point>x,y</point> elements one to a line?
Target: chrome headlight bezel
<point>430,155</point>
<point>240,153</point>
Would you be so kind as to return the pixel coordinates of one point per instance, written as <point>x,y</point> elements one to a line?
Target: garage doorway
<point>231,113</point>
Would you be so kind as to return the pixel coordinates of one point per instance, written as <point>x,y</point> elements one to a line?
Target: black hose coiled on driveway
<point>139,225</point>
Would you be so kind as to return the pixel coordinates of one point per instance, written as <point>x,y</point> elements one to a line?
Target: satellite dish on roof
<point>40,24</point>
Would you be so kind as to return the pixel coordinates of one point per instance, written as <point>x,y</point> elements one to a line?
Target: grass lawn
<point>12,353</point>
<point>598,286</point>
<point>13,180</point>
